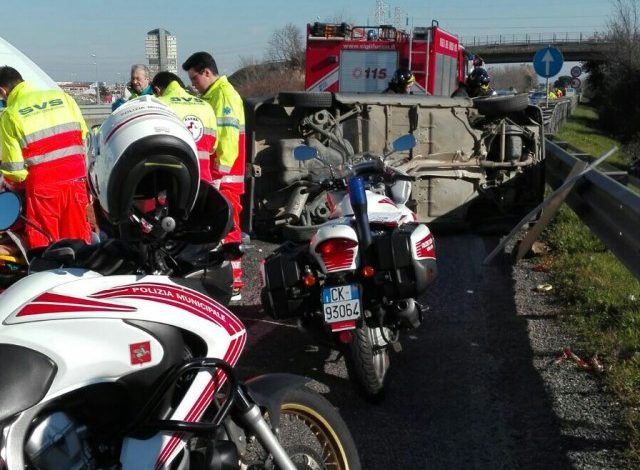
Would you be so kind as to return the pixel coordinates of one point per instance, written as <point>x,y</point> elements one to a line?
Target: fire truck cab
<point>362,59</point>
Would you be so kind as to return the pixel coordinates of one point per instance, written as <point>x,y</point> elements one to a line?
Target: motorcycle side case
<point>282,296</point>
<point>404,259</point>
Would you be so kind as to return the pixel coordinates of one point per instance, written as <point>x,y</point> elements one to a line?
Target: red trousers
<point>235,235</point>
<point>60,209</point>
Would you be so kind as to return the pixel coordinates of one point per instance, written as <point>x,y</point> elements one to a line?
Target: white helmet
<point>142,150</point>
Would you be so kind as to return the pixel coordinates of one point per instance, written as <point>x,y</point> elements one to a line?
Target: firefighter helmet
<point>478,77</point>
<point>402,78</point>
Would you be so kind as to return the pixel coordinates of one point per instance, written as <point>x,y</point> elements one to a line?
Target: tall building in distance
<point>161,51</point>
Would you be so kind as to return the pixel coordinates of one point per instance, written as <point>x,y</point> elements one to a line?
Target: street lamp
<point>97,85</point>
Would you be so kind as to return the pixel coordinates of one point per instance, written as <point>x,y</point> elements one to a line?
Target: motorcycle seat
<point>109,257</point>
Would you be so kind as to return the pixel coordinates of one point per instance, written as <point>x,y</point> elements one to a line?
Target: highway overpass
<point>520,48</point>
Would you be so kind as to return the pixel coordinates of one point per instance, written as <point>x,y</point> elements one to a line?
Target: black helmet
<point>402,78</point>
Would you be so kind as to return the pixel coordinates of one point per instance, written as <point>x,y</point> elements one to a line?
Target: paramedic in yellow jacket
<point>196,114</point>
<point>228,164</point>
<point>43,153</point>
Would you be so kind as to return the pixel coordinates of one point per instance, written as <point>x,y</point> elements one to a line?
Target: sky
<point>82,40</point>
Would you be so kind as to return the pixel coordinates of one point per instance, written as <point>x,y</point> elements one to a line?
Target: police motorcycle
<point>122,366</point>
<point>358,278</point>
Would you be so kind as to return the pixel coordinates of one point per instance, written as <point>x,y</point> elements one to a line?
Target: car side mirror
<point>405,142</point>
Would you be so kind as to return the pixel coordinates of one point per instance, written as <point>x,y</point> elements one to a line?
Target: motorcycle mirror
<point>304,152</point>
<point>10,209</point>
<point>405,142</point>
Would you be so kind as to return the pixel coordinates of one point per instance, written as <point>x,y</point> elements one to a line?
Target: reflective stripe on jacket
<point>42,134</point>
<point>229,162</point>
<point>199,118</point>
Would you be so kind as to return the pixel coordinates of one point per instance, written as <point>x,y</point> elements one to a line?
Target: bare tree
<point>286,46</point>
<point>624,31</point>
<point>266,80</point>
<point>614,80</point>
<point>522,78</point>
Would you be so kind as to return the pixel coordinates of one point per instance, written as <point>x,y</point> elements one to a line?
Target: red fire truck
<point>346,58</point>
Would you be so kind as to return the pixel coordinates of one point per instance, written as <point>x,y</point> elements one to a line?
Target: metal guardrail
<point>557,112</point>
<point>610,209</point>
<point>95,113</point>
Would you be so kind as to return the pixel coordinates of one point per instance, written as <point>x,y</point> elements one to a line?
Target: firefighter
<point>401,82</point>
<point>478,83</point>
<point>43,153</point>
<point>197,115</point>
<point>228,164</point>
<point>138,86</point>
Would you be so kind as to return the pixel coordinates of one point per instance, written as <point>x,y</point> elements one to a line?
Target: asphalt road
<point>476,386</point>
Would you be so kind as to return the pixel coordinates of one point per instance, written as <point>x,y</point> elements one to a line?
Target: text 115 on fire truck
<point>362,59</point>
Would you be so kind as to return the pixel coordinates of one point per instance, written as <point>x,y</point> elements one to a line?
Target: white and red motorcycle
<point>106,362</point>
<point>136,372</point>
<point>360,275</point>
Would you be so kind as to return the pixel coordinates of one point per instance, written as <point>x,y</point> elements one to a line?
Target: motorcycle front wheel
<point>313,434</point>
<point>367,361</point>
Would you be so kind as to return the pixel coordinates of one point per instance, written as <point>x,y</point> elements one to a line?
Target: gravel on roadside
<point>588,418</point>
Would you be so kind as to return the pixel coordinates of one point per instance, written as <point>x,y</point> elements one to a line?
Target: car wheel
<point>305,99</point>
<point>497,106</point>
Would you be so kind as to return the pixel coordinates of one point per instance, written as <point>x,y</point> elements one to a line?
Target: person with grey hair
<point>140,84</point>
<point>140,81</point>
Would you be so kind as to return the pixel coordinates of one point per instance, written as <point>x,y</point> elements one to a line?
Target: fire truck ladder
<point>421,34</point>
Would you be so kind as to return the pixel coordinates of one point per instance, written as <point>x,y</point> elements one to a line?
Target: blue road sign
<point>548,61</point>
<point>576,71</point>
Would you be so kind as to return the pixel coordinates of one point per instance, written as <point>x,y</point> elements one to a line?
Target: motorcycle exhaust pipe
<point>408,313</point>
<point>295,205</point>
<point>358,199</point>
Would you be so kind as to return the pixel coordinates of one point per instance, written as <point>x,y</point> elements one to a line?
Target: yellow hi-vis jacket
<point>199,118</point>
<point>42,133</point>
<point>228,165</point>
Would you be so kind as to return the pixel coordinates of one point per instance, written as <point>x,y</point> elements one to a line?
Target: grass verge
<point>603,298</point>
<point>580,131</point>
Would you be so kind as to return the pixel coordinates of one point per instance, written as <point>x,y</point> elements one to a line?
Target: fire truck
<point>362,59</point>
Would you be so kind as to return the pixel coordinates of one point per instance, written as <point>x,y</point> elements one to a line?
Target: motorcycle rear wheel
<point>367,361</point>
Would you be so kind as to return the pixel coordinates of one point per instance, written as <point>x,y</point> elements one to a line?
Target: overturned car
<point>478,163</point>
